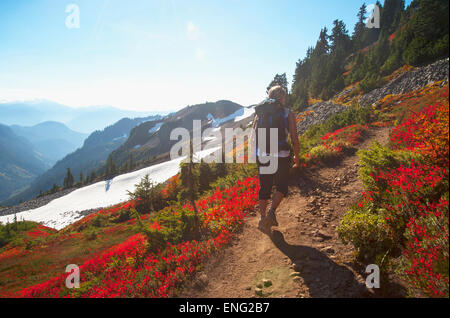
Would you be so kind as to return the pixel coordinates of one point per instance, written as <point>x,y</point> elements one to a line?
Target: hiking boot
<point>272,218</point>
<point>263,225</point>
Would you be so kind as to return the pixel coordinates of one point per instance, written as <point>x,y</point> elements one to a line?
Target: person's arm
<point>294,139</point>
<point>253,138</point>
<point>255,120</point>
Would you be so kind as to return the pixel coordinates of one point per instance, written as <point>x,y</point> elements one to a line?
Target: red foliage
<point>40,231</point>
<point>351,134</point>
<point>170,189</point>
<point>391,38</point>
<point>417,214</point>
<point>427,133</point>
<point>128,270</point>
<point>415,197</point>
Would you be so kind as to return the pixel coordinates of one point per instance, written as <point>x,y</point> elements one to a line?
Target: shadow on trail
<point>323,277</point>
<point>307,182</point>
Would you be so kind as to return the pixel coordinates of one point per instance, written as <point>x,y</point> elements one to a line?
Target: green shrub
<point>380,158</point>
<point>99,221</point>
<point>12,231</point>
<point>367,231</point>
<point>124,215</point>
<point>91,233</point>
<point>236,172</point>
<point>321,154</point>
<point>311,139</point>
<point>354,115</point>
<point>174,228</point>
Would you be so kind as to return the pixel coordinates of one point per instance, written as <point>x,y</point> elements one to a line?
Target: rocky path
<point>304,256</point>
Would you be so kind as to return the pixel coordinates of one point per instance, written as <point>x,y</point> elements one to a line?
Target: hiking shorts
<point>280,179</point>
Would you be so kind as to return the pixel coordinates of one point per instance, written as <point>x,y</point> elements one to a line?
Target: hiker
<point>271,113</point>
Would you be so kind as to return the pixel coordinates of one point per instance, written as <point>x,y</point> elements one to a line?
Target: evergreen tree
<point>131,162</point>
<point>413,36</point>
<point>145,195</point>
<point>360,26</point>
<point>110,169</point>
<point>205,176</point>
<point>340,40</point>
<point>68,180</point>
<point>189,182</point>
<point>15,222</point>
<point>300,85</point>
<point>55,188</point>
<point>425,37</point>
<point>319,58</point>
<point>390,16</point>
<point>279,79</point>
<point>339,49</point>
<point>322,47</point>
<point>371,35</point>
<point>93,176</point>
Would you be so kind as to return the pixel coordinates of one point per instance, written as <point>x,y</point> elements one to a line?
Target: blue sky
<point>156,54</point>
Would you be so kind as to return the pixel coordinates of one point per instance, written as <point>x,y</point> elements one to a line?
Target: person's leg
<point>265,188</point>
<point>276,200</point>
<point>281,180</point>
<point>265,183</point>
<point>263,207</point>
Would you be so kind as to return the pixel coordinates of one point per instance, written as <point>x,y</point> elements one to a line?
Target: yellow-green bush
<point>367,231</point>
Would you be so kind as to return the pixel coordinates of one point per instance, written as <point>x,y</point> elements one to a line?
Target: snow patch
<point>155,128</point>
<point>121,137</point>
<point>247,113</point>
<point>238,115</point>
<point>64,211</point>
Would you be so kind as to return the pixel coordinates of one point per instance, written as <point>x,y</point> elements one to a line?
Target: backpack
<point>271,115</point>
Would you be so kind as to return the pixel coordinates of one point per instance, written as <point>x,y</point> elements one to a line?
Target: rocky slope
<point>409,81</point>
<point>406,82</point>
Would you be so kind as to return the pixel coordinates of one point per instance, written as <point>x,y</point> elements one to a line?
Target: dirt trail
<point>305,242</point>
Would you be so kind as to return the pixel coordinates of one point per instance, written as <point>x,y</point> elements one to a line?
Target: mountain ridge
<point>85,159</point>
<point>51,138</point>
<point>83,119</point>
<point>20,162</point>
<point>151,139</point>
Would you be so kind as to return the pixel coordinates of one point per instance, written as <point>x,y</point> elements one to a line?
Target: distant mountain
<point>99,117</point>
<point>52,139</point>
<point>20,162</point>
<point>85,119</point>
<point>142,137</point>
<point>152,138</point>
<point>89,157</point>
